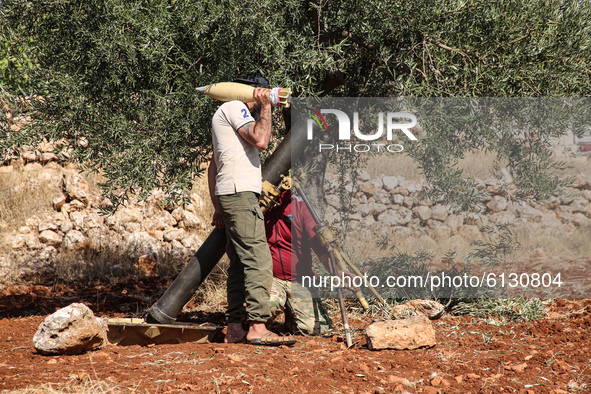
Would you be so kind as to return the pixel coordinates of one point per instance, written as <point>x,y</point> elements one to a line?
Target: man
<point>290,234</point>
<point>234,178</point>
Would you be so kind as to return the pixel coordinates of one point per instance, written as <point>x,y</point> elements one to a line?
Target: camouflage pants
<point>304,312</point>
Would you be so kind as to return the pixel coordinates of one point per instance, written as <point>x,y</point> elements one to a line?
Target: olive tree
<point>115,80</point>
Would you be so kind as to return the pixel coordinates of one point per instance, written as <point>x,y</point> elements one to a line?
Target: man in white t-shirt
<point>235,184</point>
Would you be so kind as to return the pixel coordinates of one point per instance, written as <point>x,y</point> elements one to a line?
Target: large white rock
<point>71,330</point>
<point>412,333</point>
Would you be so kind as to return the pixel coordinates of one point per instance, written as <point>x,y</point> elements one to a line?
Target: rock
<point>75,186</point>
<point>96,238</point>
<point>190,220</point>
<point>550,220</point>
<point>77,205</point>
<point>161,221</point>
<point>15,241</point>
<point>58,202</point>
<point>363,175</point>
<point>439,212</point>
<point>46,157</point>
<point>582,182</point>
<point>382,197</point>
<point>77,219</point>
<point>470,232</point>
<point>32,242</point>
<point>422,212</point>
<point>402,231</point>
<point>578,205</point>
<point>497,204</point>
<point>333,200</point>
<point>174,235</point>
<point>397,199</point>
<point>376,209</point>
<point>395,218</point>
<point>66,226</point>
<point>177,214</point>
<point>390,182</point>
<point>141,242</point>
<point>50,237</point>
<point>46,225</point>
<point>146,264</point>
<point>432,309</point>
<point>502,217</point>
<point>132,227</point>
<point>71,330</point>
<point>580,220</point>
<point>519,367</point>
<point>74,240</point>
<point>33,167</point>
<point>93,220</point>
<point>28,155</point>
<point>453,222</point>
<point>504,175</point>
<point>408,202</point>
<point>437,230</point>
<point>197,203</point>
<point>367,188</point>
<point>410,333</point>
<point>192,242</point>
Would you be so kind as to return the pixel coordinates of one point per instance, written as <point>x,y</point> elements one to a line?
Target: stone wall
<point>139,231</point>
<point>145,230</point>
<point>389,204</point>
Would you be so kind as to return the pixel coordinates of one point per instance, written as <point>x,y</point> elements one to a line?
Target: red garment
<point>291,238</point>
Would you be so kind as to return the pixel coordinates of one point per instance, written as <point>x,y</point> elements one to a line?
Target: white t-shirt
<point>237,161</point>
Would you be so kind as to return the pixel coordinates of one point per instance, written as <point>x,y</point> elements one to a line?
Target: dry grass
<point>85,385</point>
<point>27,192</point>
<point>211,295</point>
<point>475,164</point>
<point>570,245</point>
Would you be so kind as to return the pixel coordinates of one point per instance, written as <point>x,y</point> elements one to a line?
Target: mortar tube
<point>166,309</point>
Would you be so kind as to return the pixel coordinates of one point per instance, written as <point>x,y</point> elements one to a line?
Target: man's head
<point>255,79</point>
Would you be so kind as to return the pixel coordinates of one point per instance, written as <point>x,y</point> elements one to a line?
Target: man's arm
<point>212,170</point>
<point>258,133</point>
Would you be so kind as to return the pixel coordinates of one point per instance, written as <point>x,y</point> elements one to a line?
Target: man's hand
<point>216,220</point>
<point>262,97</point>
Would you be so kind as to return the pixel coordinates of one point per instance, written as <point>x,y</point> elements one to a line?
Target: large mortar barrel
<point>209,254</point>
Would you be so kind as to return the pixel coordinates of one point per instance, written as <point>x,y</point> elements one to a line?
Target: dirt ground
<point>549,355</point>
